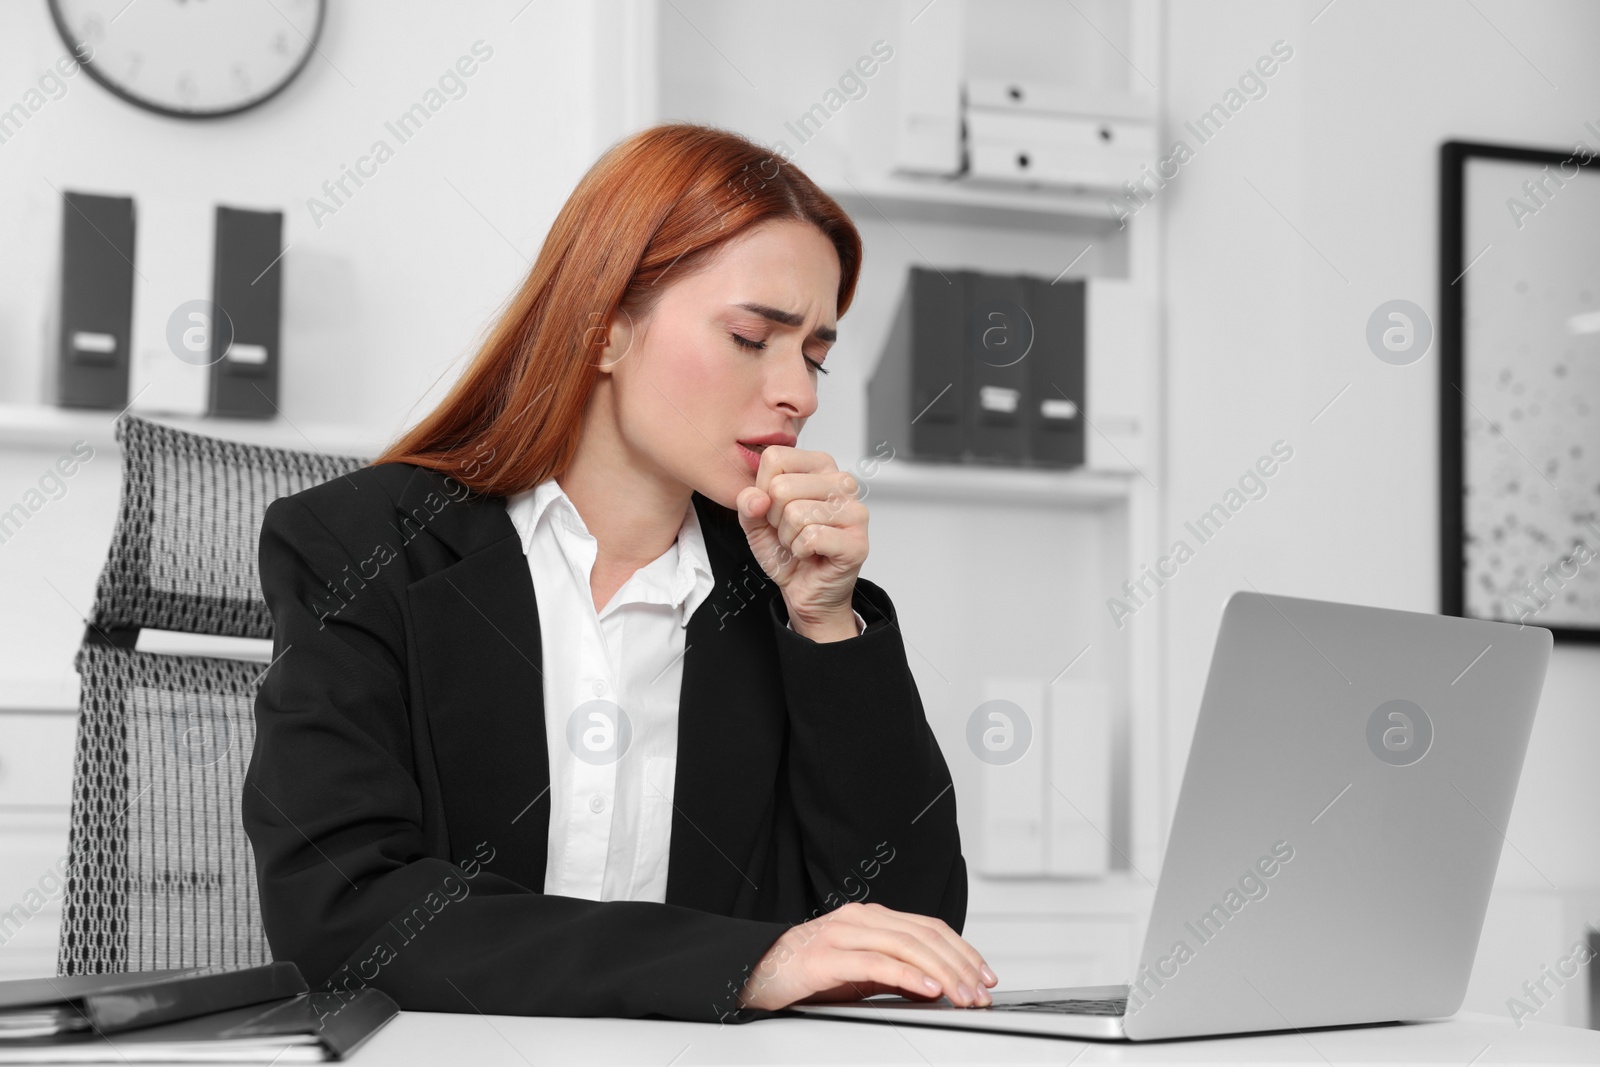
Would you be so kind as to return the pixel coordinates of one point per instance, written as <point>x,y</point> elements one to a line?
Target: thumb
<point>752,505</point>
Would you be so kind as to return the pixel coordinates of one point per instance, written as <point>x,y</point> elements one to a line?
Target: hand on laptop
<point>859,950</point>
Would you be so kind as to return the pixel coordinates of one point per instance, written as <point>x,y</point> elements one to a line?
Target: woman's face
<point>689,389</point>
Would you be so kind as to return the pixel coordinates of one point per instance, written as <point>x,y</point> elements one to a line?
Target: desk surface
<point>519,1041</point>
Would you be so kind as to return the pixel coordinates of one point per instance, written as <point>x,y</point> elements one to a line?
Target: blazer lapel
<point>732,720</point>
<point>478,655</point>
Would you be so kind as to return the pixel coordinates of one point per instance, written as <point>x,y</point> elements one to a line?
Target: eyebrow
<point>789,318</point>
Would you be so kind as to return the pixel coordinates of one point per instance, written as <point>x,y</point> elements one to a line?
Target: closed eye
<point>745,342</point>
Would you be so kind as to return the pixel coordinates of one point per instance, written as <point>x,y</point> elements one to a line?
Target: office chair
<point>161,873</point>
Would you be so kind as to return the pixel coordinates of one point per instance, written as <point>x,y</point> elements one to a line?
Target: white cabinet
<point>35,797</point>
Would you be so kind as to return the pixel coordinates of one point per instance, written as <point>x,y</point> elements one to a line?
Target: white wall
<point>379,301</point>
<point>1262,332</point>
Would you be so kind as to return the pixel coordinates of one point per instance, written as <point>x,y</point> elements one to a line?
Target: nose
<point>791,388</point>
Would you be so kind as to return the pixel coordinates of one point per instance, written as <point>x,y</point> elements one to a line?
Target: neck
<point>633,510</point>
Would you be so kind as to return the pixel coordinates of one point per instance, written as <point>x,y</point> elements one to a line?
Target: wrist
<point>833,628</point>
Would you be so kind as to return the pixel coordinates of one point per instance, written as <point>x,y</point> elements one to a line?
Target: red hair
<point>658,203</point>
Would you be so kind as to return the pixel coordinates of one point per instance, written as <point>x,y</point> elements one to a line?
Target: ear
<point>619,339</point>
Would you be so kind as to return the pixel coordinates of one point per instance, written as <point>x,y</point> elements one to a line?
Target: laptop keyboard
<point>1110,1006</point>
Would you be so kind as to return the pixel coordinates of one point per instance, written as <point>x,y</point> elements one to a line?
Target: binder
<point>999,343</point>
<point>307,1028</point>
<point>1054,410</point>
<point>246,289</point>
<point>95,309</point>
<point>172,313</point>
<point>111,1003</point>
<point>915,393</point>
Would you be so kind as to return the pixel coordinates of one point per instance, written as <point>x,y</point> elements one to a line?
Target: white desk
<point>426,1038</point>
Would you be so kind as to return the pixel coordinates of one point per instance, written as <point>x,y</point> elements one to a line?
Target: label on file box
<point>94,343</point>
<point>997,398</point>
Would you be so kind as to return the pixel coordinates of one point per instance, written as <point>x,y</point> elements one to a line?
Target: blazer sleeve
<point>872,793</point>
<point>350,889</point>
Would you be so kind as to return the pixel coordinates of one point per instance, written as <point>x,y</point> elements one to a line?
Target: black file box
<point>999,344</point>
<point>246,287</point>
<point>1054,418</point>
<point>915,393</point>
<point>95,314</point>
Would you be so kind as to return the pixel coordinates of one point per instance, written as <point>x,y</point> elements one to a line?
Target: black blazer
<point>397,798</point>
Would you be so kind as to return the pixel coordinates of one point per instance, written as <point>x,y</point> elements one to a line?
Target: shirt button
<point>599,688</point>
<point>597,803</point>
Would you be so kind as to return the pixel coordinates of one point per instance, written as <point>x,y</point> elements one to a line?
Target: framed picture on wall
<point>1519,384</point>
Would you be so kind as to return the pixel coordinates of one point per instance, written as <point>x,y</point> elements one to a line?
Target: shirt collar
<point>691,580</point>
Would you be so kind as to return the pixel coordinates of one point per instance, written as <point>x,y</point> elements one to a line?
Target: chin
<point>722,487</point>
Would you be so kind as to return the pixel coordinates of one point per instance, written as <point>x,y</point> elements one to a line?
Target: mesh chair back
<point>183,556</point>
<point>161,871</point>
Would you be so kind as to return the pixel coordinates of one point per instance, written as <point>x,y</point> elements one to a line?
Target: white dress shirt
<point>611,785</point>
<point>611,771</point>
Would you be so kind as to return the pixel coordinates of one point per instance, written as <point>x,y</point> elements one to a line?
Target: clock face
<point>191,58</point>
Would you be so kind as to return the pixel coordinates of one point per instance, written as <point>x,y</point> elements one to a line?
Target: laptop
<point>1336,835</point>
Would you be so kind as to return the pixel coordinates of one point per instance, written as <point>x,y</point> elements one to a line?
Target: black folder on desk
<point>109,1003</point>
<point>309,1028</point>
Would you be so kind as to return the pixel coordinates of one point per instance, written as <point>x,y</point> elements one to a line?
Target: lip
<point>752,456</point>
<point>770,439</point>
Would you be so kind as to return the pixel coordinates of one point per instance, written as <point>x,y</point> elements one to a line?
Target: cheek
<point>676,398</point>
<point>698,383</point>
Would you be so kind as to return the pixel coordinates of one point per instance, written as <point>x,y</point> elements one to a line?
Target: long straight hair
<point>657,205</point>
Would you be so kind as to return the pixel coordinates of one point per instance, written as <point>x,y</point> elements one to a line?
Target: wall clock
<point>191,59</point>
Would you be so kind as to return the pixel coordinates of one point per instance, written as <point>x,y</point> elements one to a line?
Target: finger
<point>780,459</point>
<point>889,932</point>
<point>943,929</point>
<point>834,489</point>
<point>844,515</point>
<point>847,548</point>
<point>854,975</point>
<point>752,504</point>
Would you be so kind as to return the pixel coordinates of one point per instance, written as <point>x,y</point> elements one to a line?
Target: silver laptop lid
<point>1340,820</point>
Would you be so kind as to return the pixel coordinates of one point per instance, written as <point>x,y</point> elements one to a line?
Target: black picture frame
<point>1455,403</point>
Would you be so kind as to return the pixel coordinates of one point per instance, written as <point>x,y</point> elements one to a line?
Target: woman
<point>578,705</point>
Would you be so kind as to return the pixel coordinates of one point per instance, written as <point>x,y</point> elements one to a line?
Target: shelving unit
<point>976,528</point>
<point>42,426</point>
<point>998,485</point>
<point>969,203</point>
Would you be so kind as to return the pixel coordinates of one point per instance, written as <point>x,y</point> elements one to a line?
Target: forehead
<point>784,263</point>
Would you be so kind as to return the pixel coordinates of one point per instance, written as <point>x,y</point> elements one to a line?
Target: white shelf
<point>972,203</point>
<point>48,427</point>
<point>974,483</point>
<point>59,695</point>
